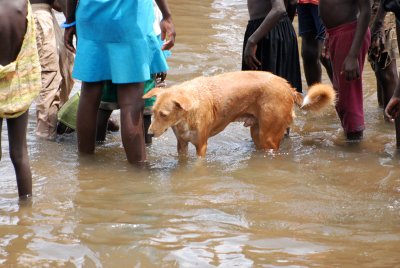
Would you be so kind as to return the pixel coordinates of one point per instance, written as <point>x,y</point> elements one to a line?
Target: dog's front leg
<point>182,147</point>
<point>201,148</point>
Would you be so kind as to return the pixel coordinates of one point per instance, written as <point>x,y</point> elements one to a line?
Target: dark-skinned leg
<point>388,78</point>
<point>102,122</point>
<point>326,62</point>
<point>310,52</point>
<point>379,91</point>
<point>132,131</point>
<point>147,122</point>
<point>19,153</point>
<point>397,120</point>
<point>86,122</point>
<point>1,127</point>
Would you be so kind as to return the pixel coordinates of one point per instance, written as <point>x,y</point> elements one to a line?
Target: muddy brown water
<point>318,202</point>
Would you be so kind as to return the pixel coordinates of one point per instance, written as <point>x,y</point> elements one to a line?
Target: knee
<point>309,54</point>
<point>18,158</point>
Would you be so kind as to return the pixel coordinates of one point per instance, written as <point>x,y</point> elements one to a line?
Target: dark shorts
<point>277,51</point>
<point>310,21</point>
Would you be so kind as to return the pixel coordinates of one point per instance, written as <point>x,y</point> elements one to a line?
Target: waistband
<point>41,6</point>
<point>342,28</point>
<point>284,17</point>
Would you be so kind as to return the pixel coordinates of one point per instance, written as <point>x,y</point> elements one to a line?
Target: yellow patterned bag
<point>20,81</point>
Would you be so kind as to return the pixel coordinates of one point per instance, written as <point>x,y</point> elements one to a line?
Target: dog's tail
<point>318,98</point>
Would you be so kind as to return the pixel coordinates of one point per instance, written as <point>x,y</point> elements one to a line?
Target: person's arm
<point>60,6</point>
<point>277,11</point>
<point>167,26</point>
<point>291,9</point>
<point>377,31</point>
<point>350,66</point>
<point>70,18</point>
<point>393,107</point>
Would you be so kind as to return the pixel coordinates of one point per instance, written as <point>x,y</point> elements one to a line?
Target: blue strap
<point>67,25</point>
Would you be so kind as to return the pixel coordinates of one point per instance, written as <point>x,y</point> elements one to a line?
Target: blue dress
<point>116,41</point>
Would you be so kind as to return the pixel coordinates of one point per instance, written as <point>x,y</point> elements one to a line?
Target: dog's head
<point>170,107</point>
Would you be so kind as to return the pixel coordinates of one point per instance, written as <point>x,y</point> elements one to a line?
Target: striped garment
<point>20,81</point>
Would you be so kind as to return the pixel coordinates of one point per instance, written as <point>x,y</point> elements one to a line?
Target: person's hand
<point>377,40</point>
<point>160,79</point>
<point>69,34</point>
<point>325,50</point>
<point>393,108</point>
<point>351,69</point>
<point>249,55</point>
<point>167,33</point>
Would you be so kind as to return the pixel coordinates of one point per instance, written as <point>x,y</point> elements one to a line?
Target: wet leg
<point>326,62</point>
<point>86,122</point>
<point>1,127</point>
<point>310,52</point>
<point>147,123</point>
<point>201,149</point>
<point>132,129</point>
<point>19,153</point>
<point>271,134</point>
<point>182,147</point>
<point>388,78</point>
<point>102,123</point>
<point>254,132</point>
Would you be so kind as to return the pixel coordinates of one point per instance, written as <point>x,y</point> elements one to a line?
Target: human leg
<point>131,112</point>
<point>310,52</point>
<point>349,106</point>
<point>102,123</point>
<point>86,121</point>
<point>48,102</point>
<point>1,126</point>
<point>388,78</point>
<point>19,153</point>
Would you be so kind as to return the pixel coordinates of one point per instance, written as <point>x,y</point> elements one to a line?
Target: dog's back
<point>237,94</point>
<point>203,107</point>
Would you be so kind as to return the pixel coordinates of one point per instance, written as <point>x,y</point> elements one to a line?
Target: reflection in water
<point>317,202</point>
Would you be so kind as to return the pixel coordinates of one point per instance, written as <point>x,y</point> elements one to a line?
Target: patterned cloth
<point>383,43</point>
<point>56,63</point>
<point>20,81</point>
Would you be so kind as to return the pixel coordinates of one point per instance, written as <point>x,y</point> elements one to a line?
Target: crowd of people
<point>119,53</point>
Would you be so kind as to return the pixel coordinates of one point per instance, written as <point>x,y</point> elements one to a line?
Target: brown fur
<point>203,107</point>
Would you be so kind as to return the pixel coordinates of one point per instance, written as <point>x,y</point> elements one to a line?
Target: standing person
<point>270,42</point>
<point>109,97</point>
<point>19,83</point>
<point>382,52</point>
<point>392,109</point>
<point>56,62</point>
<point>348,39</point>
<point>312,32</point>
<point>115,42</point>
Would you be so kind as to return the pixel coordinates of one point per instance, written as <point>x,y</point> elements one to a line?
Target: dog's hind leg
<point>270,135</point>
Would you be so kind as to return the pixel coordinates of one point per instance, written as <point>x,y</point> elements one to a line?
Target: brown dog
<point>203,107</point>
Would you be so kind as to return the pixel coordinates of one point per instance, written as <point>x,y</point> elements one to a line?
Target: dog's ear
<point>154,92</point>
<point>182,102</point>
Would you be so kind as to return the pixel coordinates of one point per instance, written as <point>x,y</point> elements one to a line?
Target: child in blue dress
<point>116,42</point>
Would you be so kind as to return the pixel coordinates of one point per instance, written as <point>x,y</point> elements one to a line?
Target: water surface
<point>318,202</point>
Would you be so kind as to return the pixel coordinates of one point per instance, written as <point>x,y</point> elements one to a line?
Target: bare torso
<point>260,8</point>
<point>337,12</point>
<point>50,2</point>
<point>12,28</point>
